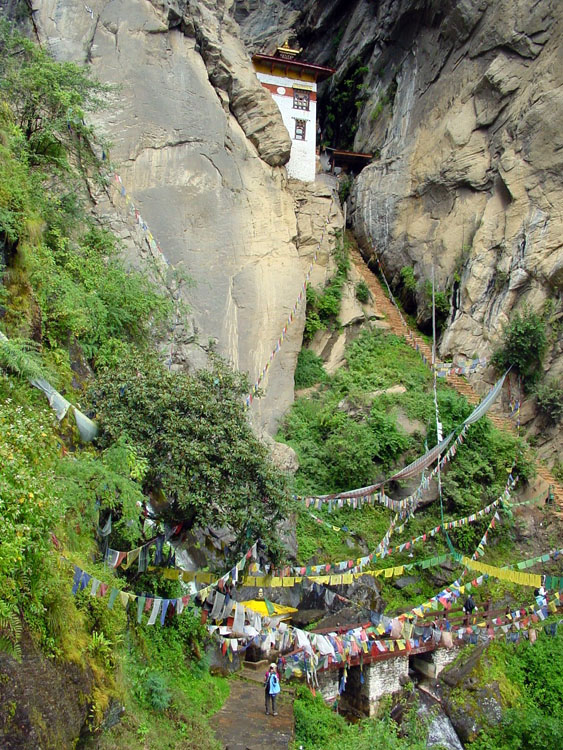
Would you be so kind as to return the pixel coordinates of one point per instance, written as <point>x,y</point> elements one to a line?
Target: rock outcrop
<point>199,146</point>
<point>460,102</point>
<point>43,703</point>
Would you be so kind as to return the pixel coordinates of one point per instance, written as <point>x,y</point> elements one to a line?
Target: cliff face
<point>200,145</point>
<point>459,101</point>
<point>461,104</point>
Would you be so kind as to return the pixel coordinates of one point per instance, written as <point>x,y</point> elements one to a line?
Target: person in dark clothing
<point>271,689</point>
<point>469,605</point>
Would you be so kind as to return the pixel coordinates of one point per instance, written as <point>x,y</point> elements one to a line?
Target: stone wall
<point>328,684</point>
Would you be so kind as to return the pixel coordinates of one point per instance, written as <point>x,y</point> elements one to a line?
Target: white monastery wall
<point>301,163</point>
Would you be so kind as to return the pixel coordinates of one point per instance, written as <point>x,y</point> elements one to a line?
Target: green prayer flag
<point>269,606</point>
<point>112,598</point>
<point>140,607</point>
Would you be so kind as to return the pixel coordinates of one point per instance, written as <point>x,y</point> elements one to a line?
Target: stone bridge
<point>371,676</point>
<point>374,675</point>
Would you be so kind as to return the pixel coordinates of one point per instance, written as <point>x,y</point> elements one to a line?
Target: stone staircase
<point>396,326</point>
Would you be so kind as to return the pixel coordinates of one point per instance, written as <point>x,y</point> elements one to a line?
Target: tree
<point>48,99</point>
<point>205,465</point>
<point>524,346</point>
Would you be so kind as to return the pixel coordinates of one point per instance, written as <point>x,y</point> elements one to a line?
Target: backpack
<point>274,685</point>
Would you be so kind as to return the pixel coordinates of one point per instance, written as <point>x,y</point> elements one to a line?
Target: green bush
<point>549,397</point>
<point>344,188</point>
<point>318,727</point>
<point>48,100</point>
<point>441,302</point>
<point>536,722</point>
<point>524,346</point>
<point>157,691</point>
<point>323,306</point>
<point>362,292</point>
<point>309,370</point>
<point>203,461</point>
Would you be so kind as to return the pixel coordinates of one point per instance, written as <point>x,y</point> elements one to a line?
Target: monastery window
<point>300,128</point>
<point>301,99</point>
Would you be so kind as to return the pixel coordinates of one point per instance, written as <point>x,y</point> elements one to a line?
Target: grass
<point>169,699</point>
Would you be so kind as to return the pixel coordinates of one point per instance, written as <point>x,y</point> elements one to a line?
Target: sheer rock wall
<point>200,148</point>
<point>461,103</point>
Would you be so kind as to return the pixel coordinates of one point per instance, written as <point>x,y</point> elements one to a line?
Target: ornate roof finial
<point>286,52</point>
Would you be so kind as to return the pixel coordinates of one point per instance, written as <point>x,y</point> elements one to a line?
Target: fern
<point>10,636</point>
<point>20,356</point>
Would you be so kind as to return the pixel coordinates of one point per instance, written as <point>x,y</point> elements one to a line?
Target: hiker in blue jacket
<point>271,688</point>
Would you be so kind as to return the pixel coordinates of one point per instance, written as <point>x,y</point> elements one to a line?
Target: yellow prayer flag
<point>275,582</point>
<point>288,582</point>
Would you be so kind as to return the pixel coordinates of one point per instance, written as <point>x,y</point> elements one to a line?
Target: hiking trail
<point>242,723</point>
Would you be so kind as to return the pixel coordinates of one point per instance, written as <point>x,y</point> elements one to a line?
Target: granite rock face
<point>200,147</point>
<point>461,104</point>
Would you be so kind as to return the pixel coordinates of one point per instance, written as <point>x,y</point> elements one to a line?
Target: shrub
<point>549,397</point>
<point>523,347</point>
<point>344,187</point>
<point>309,370</point>
<point>362,292</point>
<point>157,691</point>
<point>323,306</point>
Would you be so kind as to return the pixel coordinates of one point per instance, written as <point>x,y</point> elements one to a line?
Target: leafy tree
<point>204,464</point>
<point>48,99</point>
<point>524,345</point>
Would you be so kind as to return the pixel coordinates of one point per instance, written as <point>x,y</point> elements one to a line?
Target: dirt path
<point>243,725</point>
<point>384,304</point>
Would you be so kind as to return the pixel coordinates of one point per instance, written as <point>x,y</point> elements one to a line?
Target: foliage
<point>535,720</point>
<point>323,306</point>
<point>441,303</point>
<point>346,436</point>
<point>64,282</point>
<point>170,694</point>
<point>204,464</point>
<point>10,635</point>
<point>347,96</point>
<point>48,99</point>
<point>20,356</point>
<point>387,98</point>
<point>110,481</point>
<point>549,397</point>
<point>408,288</point>
<point>309,370</point>
<point>318,727</point>
<point>523,347</point>
<point>344,188</point>
<point>28,504</point>
<point>157,691</point>
<point>362,292</point>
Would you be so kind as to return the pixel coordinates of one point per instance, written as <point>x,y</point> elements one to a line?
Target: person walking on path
<point>469,607</point>
<point>271,689</point>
